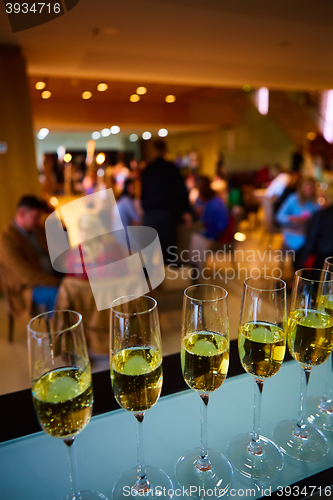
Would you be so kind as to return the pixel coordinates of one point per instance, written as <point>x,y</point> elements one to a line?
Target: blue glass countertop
<point>35,467</point>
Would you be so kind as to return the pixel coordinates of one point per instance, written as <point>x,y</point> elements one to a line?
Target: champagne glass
<point>320,409</point>
<point>261,347</point>
<point>205,361</point>
<point>310,338</point>
<point>61,383</point>
<point>136,377</point>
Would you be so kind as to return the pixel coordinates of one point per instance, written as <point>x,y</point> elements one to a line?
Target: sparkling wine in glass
<point>320,409</point>
<point>310,340</point>
<point>205,361</point>
<point>261,347</point>
<point>61,383</point>
<point>137,377</point>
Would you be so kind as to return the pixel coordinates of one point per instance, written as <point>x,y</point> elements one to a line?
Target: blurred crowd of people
<point>160,196</point>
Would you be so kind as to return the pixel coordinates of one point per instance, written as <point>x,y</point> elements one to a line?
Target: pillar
<point>18,169</point>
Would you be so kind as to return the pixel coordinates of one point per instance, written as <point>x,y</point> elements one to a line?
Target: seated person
<point>214,217</point>
<point>96,253</point>
<point>319,237</point>
<point>214,214</point>
<point>96,267</point>
<point>295,212</point>
<point>128,209</point>
<point>89,183</point>
<point>25,262</point>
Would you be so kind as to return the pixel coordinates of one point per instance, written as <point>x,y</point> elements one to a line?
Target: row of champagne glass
<point>263,336</point>
<point>61,377</point>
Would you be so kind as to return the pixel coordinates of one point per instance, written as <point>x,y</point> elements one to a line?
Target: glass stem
<point>300,431</point>
<point>255,446</point>
<point>142,482</point>
<point>73,475</point>
<point>203,464</point>
<point>326,403</point>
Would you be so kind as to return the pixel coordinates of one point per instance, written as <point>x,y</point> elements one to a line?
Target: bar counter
<point>34,465</point>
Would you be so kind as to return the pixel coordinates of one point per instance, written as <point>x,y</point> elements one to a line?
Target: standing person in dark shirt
<point>164,198</point>
<point>297,159</point>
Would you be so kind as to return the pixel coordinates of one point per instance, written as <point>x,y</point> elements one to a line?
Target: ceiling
<point>283,45</point>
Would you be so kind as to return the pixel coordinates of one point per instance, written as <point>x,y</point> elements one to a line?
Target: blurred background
<point>241,96</point>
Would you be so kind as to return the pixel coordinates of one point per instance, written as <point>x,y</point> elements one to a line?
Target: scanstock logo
<point>86,238</point>
<point>26,14</point>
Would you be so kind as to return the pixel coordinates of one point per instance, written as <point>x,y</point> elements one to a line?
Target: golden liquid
<point>310,336</point>
<point>137,377</point>
<point>261,347</point>
<point>205,360</point>
<point>63,401</point>
<point>325,304</point>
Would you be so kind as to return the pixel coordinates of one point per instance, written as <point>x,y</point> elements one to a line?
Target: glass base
<point>212,483</point>
<point>311,448</point>
<point>264,465</point>
<point>161,486</point>
<point>320,416</point>
<point>87,495</point>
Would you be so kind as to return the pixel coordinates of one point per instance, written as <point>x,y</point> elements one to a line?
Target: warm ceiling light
<point>100,158</point>
<point>163,132</point>
<point>133,137</point>
<point>263,100</point>
<point>40,85</point>
<point>146,135</point>
<point>170,98</point>
<point>86,95</point>
<point>115,129</point>
<point>67,158</point>
<point>327,112</point>
<point>239,236</point>
<point>311,136</point>
<point>43,133</point>
<point>246,87</point>
<point>102,87</point>
<point>95,135</point>
<point>106,132</point>
<point>46,94</point>
<point>134,98</point>
<point>54,201</point>
<point>141,90</point>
